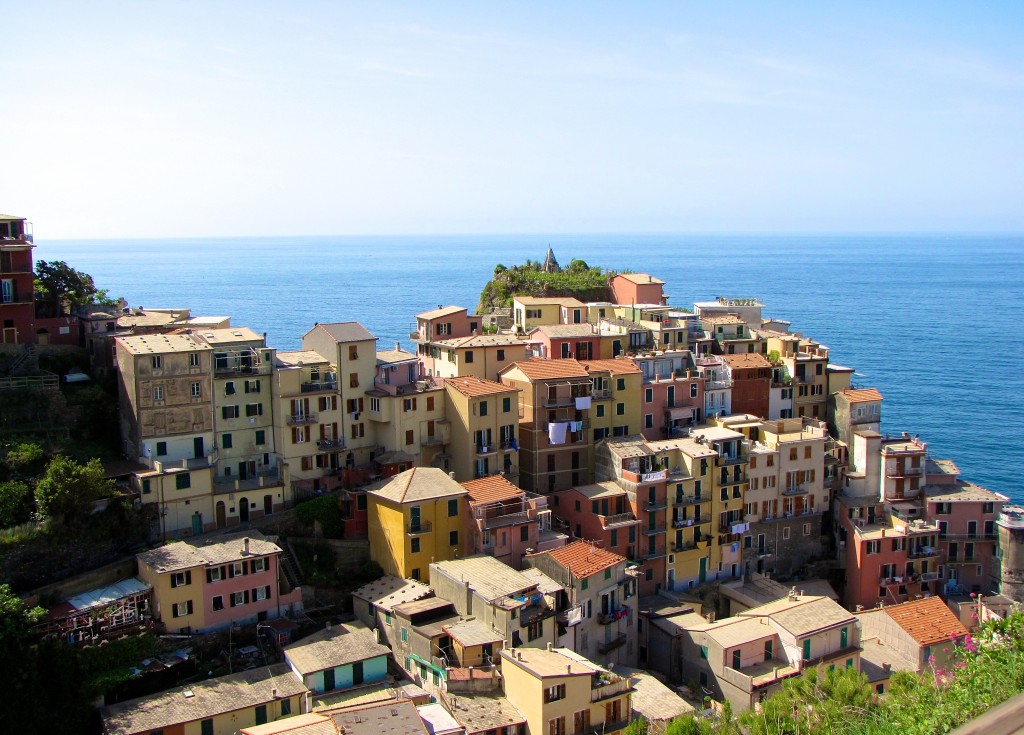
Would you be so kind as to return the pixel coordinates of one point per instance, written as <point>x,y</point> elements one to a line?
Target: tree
<point>13,507</point>
<point>67,488</point>
<point>17,676</point>
<point>66,289</point>
<point>22,455</point>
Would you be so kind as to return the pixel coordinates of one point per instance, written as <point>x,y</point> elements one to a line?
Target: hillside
<point>544,279</point>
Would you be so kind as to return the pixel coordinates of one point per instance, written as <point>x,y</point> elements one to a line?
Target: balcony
<point>302,419</point>
<point>647,477</point>
<point>563,401</point>
<point>797,490</point>
<point>244,361</point>
<point>612,616</point>
<point>620,519</point>
<point>416,337</point>
<point>717,384</point>
<point>967,537</point>
<point>653,530</point>
<point>922,552</point>
<point>649,555</point>
<point>507,445</point>
<point>414,529</point>
<point>430,440</point>
<point>929,576</point>
<point>601,394</point>
<point>692,499</point>
<point>606,686</point>
<point>329,445</point>
<point>508,519</point>
<point>318,386</point>
<point>725,460</point>
<point>266,477</point>
<point>485,450</point>
<point>650,507</point>
<point>607,647</point>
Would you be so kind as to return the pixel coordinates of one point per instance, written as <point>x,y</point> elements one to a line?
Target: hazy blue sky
<point>243,118</point>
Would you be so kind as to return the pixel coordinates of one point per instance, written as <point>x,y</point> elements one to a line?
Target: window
<point>261,593</point>
<point>409,436</point>
<point>453,538</point>
<point>409,404</point>
<point>161,449</point>
<point>261,714</point>
<point>261,437</point>
<point>252,386</point>
<point>405,635</point>
<point>693,390</point>
<point>483,408</point>
<point>737,660</point>
<point>259,565</point>
<point>416,573</point>
<point>225,441</point>
<point>555,693</point>
<point>158,393</point>
<point>358,431</point>
<point>218,602</point>
<point>535,630</point>
<point>206,727</point>
<point>807,649</point>
<point>146,489</point>
<point>792,453</point>
<point>286,707</point>
<point>415,545</point>
<point>785,533</point>
<point>584,584</point>
<point>608,573</point>
<point>453,507</point>
<point>183,481</point>
<point>620,409</point>
<point>229,412</point>
<point>181,579</point>
<point>988,507</point>
<point>239,598</point>
<point>181,609</point>
<point>254,409</point>
<point>158,362</point>
<point>704,652</point>
<point>648,395</point>
<point>873,547</point>
<point>197,390</point>
<point>807,529</point>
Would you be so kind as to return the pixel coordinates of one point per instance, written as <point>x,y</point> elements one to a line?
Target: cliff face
<point>545,279</point>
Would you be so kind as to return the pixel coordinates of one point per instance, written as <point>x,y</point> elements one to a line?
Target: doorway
<point>222,516</point>
<point>243,510</point>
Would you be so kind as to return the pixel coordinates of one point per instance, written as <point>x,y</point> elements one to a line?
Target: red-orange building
<point>751,375</point>
<point>17,282</point>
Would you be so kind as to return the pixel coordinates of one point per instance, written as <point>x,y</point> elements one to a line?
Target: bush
<point>324,510</point>
<point>14,507</point>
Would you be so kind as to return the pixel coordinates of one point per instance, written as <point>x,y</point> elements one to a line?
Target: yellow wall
<point>391,544</point>
<point>230,723</point>
<point>165,597</point>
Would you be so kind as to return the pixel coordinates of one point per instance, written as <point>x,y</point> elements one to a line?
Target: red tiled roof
<point>617,366</point>
<point>472,387</point>
<point>583,558</point>
<point>928,621</point>
<point>855,395</point>
<point>489,489</point>
<point>539,369</point>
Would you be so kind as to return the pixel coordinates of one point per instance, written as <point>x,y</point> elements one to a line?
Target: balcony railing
<point>967,537</point>
<point>328,445</point>
<point>606,647</point>
<point>796,490</point>
<point>650,507</point>
<point>724,460</point>
<point>318,386</point>
<point>620,519</point>
<point>416,528</point>
<point>231,483</point>
<point>483,450</point>
<point>653,530</point>
<point>509,519</point>
<point>601,394</point>
<point>610,617</point>
<point>692,499</point>
<point>300,419</point>
<point>561,401</point>
<point>922,552</point>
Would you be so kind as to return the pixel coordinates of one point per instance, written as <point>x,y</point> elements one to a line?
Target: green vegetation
<point>63,289</point>
<point>577,279</point>
<point>68,489</point>
<point>325,511</point>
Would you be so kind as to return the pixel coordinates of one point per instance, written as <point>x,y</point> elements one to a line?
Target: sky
<point>200,119</point>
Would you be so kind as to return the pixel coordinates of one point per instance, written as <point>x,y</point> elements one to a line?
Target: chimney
<point>245,546</point>
<point>886,667</point>
<point>568,668</point>
<point>549,645</point>
<point>273,693</point>
<point>327,626</point>
<point>451,475</point>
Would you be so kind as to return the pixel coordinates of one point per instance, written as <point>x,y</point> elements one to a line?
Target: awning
<point>680,413</point>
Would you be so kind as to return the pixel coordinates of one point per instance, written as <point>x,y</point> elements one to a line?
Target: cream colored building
<point>482,424</point>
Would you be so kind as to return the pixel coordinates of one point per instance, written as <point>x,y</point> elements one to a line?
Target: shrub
<point>324,510</point>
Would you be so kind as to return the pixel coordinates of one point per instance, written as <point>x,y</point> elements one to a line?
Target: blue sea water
<point>930,320</point>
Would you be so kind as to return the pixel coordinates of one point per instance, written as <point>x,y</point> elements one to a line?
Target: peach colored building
<point>638,288</point>
<point>673,394</point>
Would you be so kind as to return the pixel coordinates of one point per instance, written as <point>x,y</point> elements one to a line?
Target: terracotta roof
<point>443,311</point>
<point>538,369</point>
<point>471,387</point>
<point>346,331</point>
<point>927,621</point>
<point>419,483</point>
<point>747,360</point>
<point>479,713</point>
<point>860,395</point>
<point>617,366</point>
<point>491,488</point>
<point>640,278</point>
<point>584,559</point>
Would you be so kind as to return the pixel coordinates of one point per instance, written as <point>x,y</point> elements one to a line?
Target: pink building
<point>577,341</point>
<point>638,288</point>
<point>673,395</point>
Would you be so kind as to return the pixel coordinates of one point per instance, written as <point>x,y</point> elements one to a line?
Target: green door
<point>703,569</point>
<point>197,523</point>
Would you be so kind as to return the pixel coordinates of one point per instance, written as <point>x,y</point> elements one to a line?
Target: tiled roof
<point>346,331</point>
<point>555,662</point>
<point>860,395</point>
<point>208,552</point>
<point>640,278</point>
<point>337,646</point>
<point>721,319</point>
<point>483,714</point>
<point>472,387</point>
<point>617,366</point>
<point>308,724</point>
<point>162,344</point>
<point>584,559</point>
<point>607,489</point>
<point>804,615</point>
<point>651,699</point>
<point>383,691</point>
<point>490,578</point>
<point>542,300</point>
<point>560,331</point>
<point>299,357</point>
<point>961,491</point>
<point>490,489</point>
<point>387,357</point>
<point>928,621</point>
<point>472,633</point>
<point>544,583</point>
<point>419,483</point>
<point>389,591</point>
<point>208,699</point>
<point>539,369</point>
<point>482,340</point>
<point>747,360</point>
<point>442,311</point>
<point>387,718</point>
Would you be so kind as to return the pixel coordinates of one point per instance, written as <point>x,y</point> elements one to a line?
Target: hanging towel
<point>582,403</point>
<point>515,446</point>
<point>556,432</point>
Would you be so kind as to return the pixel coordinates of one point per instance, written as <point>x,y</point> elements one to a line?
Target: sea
<point>932,321</point>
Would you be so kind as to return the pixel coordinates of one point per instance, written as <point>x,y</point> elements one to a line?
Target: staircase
<point>289,566</point>
<point>27,363</point>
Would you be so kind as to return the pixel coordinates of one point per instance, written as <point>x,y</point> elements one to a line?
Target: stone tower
<point>550,264</point>
<point>1011,546</point>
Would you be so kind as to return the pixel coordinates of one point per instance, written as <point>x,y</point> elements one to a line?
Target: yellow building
<point>728,491</point>
<point>415,518</point>
<point>183,497</point>
<point>220,706</point>
<point>479,355</point>
<point>617,394</point>
<point>533,311</point>
<point>483,423</point>
<point>560,692</point>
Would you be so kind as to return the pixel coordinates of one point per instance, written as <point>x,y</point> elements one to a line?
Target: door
<point>222,516</point>
<point>616,348</point>
<point>268,505</point>
<point>197,446</point>
<point>243,471</point>
<point>328,680</point>
<point>243,510</point>
<point>357,673</point>
<point>197,523</point>
<point>703,569</point>
<point>10,336</point>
